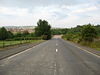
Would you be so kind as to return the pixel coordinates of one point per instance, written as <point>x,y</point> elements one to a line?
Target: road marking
<point>19,53</point>
<point>56,44</point>
<point>23,51</point>
<point>88,51</point>
<point>4,63</point>
<point>56,50</point>
<point>55,71</point>
<point>85,50</point>
<point>55,65</point>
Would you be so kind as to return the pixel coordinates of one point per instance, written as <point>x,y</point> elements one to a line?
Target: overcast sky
<point>59,13</point>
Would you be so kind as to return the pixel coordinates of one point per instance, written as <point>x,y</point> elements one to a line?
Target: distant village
<point>15,29</point>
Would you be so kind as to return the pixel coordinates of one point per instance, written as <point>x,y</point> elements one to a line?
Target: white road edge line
<point>85,50</point>
<point>21,52</point>
<point>18,53</point>
<point>88,51</point>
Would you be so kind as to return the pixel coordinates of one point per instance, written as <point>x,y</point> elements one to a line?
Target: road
<point>6,52</point>
<point>53,57</point>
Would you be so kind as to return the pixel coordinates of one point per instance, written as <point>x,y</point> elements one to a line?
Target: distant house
<point>16,29</point>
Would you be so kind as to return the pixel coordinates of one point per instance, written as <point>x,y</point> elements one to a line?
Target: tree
<point>97,28</point>
<point>3,34</point>
<point>25,33</point>
<point>32,34</point>
<point>18,34</point>
<point>88,33</point>
<point>10,34</point>
<point>43,29</point>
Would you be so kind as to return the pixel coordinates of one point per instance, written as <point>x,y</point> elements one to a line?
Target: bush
<point>72,37</point>
<point>88,33</point>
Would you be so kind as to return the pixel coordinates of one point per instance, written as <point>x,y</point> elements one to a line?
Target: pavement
<point>53,57</point>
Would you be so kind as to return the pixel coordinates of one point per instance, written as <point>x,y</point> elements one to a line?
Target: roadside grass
<point>95,45</point>
<point>18,42</point>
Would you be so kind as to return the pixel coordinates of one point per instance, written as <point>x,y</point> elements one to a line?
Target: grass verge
<point>12,43</point>
<point>95,45</point>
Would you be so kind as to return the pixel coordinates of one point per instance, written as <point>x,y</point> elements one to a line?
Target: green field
<point>11,43</point>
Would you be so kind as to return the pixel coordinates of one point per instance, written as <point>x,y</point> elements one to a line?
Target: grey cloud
<point>32,3</point>
<point>58,12</point>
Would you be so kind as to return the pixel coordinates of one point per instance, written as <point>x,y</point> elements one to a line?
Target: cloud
<point>14,11</point>
<point>32,3</point>
<point>59,13</point>
<point>84,9</point>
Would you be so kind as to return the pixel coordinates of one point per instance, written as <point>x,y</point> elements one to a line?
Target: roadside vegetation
<point>42,32</point>
<point>8,38</point>
<point>59,31</point>
<point>17,42</point>
<point>87,35</point>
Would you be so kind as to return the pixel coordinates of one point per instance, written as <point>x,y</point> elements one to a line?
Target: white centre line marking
<point>56,44</point>
<point>56,50</point>
<point>55,71</point>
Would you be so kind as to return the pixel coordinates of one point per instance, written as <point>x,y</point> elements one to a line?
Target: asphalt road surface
<point>53,57</point>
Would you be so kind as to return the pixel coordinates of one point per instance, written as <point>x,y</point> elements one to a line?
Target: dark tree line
<point>59,31</point>
<point>8,35</point>
<point>42,31</point>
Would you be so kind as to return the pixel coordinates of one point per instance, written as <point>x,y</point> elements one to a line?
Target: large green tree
<point>3,34</point>
<point>10,35</point>
<point>43,29</point>
<point>88,33</point>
